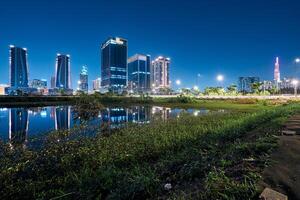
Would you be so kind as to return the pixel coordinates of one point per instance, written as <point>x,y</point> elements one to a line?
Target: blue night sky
<point>207,37</point>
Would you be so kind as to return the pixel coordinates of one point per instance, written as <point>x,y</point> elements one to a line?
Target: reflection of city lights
<point>43,113</point>
<point>196,113</point>
<point>294,82</point>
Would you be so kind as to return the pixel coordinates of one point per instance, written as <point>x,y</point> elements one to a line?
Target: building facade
<point>97,84</point>
<point>160,73</point>
<point>139,73</point>
<point>83,80</point>
<point>18,67</point>
<point>39,83</point>
<point>52,82</point>
<point>63,72</point>
<point>245,84</point>
<point>114,64</point>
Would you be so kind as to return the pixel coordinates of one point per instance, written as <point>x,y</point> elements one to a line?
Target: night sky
<point>207,37</point>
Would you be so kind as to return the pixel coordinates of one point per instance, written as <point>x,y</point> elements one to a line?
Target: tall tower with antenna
<point>276,71</point>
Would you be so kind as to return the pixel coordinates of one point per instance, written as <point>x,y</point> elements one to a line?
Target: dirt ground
<point>283,175</point>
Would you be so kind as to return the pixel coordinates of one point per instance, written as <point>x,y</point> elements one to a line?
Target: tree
<point>255,87</point>
<point>232,89</point>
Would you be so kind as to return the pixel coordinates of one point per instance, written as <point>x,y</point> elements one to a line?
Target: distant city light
<point>297,60</point>
<point>294,82</point>
<point>178,82</point>
<point>220,77</point>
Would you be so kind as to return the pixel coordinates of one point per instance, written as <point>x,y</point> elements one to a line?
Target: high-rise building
<point>139,73</point>
<point>63,72</point>
<point>97,84</point>
<point>245,84</point>
<point>83,80</point>
<point>114,64</point>
<point>52,81</point>
<point>160,73</point>
<point>276,71</point>
<point>18,67</point>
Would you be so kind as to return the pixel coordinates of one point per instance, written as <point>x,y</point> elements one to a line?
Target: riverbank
<point>181,102</point>
<point>216,156</point>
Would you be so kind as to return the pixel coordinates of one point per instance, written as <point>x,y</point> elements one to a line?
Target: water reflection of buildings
<point>18,125</point>
<point>62,116</point>
<point>161,113</point>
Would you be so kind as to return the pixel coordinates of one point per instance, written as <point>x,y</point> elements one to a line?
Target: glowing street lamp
<point>295,83</point>
<point>297,60</point>
<point>220,78</point>
<point>178,82</point>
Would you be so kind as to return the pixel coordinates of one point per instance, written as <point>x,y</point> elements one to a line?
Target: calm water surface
<point>20,124</point>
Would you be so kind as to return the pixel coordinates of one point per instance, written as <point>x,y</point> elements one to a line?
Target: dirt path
<point>284,173</point>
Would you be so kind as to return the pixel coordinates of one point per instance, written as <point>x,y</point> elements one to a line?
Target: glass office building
<point>114,64</point>
<point>18,66</point>
<point>139,73</point>
<point>83,80</point>
<point>245,84</point>
<point>63,72</point>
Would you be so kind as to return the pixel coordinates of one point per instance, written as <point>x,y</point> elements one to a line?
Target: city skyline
<point>212,44</point>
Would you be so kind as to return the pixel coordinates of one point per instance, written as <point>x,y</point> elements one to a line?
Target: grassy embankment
<point>218,156</point>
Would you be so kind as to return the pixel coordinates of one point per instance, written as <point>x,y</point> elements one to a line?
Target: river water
<point>18,125</point>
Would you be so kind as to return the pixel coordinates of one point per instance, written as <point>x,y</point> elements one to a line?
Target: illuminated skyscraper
<point>83,80</point>
<point>276,71</point>
<point>18,67</point>
<point>160,72</point>
<point>114,64</point>
<point>63,72</point>
<point>139,73</point>
<point>97,84</point>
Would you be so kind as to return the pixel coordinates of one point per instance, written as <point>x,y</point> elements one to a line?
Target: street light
<point>220,78</point>
<point>178,82</point>
<point>297,60</point>
<point>295,83</point>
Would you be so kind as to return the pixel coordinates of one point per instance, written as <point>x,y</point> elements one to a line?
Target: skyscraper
<point>114,64</point>
<point>245,84</point>
<point>139,73</point>
<point>276,71</point>
<point>160,72</point>
<point>97,84</point>
<point>18,67</point>
<point>52,81</point>
<point>62,72</point>
<point>83,80</point>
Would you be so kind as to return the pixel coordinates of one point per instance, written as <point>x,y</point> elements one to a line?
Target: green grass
<point>202,157</point>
